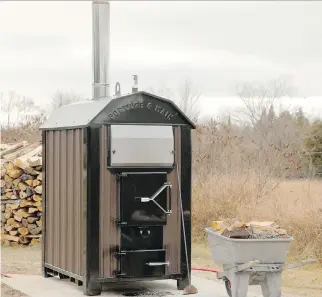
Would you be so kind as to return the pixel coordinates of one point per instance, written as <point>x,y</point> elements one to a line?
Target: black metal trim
<point>44,187</point>
<point>135,279</point>
<point>186,196</point>
<point>186,120</point>
<point>140,169</point>
<point>108,123</point>
<point>62,271</point>
<point>92,218</point>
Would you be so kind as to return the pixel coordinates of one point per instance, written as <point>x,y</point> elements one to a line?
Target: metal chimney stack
<point>101,48</point>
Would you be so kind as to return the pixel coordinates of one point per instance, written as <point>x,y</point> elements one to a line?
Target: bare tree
<point>25,105</point>
<point>259,97</point>
<point>64,98</point>
<point>189,98</point>
<point>8,105</point>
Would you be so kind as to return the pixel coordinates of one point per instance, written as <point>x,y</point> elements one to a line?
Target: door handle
<point>155,195</point>
<point>158,263</point>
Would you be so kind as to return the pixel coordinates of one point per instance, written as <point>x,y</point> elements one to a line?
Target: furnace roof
<point>136,108</point>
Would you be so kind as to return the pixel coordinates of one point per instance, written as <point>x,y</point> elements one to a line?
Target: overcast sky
<point>45,46</point>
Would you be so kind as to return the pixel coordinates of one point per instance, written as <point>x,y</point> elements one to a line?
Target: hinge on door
<point>120,223</point>
<point>118,255</point>
<point>119,273</point>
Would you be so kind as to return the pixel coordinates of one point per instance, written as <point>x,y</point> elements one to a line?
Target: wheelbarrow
<point>249,262</point>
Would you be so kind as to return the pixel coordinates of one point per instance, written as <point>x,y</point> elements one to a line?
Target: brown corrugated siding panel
<point>70,203</point>
<point>49,257</point>
<point>172,231</point>
<point>64,196</point>
<point>109,233</point>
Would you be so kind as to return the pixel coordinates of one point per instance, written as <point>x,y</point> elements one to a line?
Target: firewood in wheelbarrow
<point>237,233</point>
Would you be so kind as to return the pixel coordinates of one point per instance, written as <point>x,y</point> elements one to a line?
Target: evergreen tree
<point>314,146</point>
<point>271,114</point>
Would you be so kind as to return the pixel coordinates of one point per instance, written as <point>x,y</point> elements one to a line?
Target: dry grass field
<point>295,205</point>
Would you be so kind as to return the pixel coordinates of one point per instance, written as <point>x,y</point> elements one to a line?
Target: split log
<point>8,179</point>
<point>14,197</point>
<point>12,222</point>
<point>14,244</point>
<point>24,223</point>
<point>9,194</point>
<point>39,208</point>
<point>22,186</point>
<point>38,189</point>
<point>32,220</point>
<point>12,206</point>
<point>35,161</point>
<point>25,203</point>
<point>5,242</point>
<point>13,148</point>
<point>18,153</point>
<point>32,209</point>
<point>15,172</point>
<point>23,195</point>
<point>23,240</point>
<point>37,204</point>
<point>36,183</point>
<point>22,212</point>
<point>8,227</point>
<point>36,197</point>
<point>34,242</point>
<point>3,183</point>
<point>13,232</point>
<point>36,230</point>
<point>33,236</point>
<point>39,223</point>
<point>39,177</point>
<point>16,201</point>
<point>17,218</point>
<point>29,192</point>
<point>29,182</point>
<point>10,237</point>
<point>24,177</point>
<point>8,215</point>
<point>16,182</point>
<point>32,226</point>
<point>23,231</point>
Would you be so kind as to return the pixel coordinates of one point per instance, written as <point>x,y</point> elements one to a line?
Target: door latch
<point>155,195</point>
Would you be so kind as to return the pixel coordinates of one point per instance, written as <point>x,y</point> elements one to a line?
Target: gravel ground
<point>21,260</point>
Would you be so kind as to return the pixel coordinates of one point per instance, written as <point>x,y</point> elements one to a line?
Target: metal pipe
<point>101,48</point>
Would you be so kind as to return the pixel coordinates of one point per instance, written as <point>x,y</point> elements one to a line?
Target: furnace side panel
<point>109,232</point>
<point>64,239</point>
<point>172,231</point>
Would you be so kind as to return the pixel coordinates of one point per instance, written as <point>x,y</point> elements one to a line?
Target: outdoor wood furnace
<point>111,197</point>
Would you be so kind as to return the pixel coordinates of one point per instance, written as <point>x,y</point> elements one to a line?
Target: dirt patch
<point>7,291</point>
<point>21,260</point>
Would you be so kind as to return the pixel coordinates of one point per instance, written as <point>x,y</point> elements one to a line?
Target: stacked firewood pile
<point>21,190</point>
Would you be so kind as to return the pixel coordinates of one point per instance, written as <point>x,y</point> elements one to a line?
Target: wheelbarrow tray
<point>234,251</point>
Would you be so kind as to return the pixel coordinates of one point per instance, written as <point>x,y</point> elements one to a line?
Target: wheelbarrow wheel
<point>228,287</point>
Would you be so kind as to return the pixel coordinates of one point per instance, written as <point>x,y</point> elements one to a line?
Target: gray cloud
<point>45,46</point>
